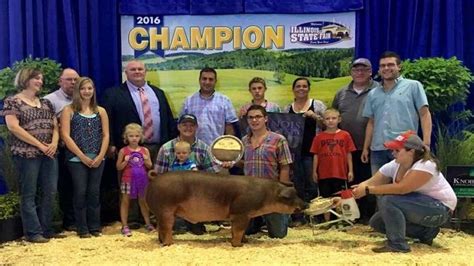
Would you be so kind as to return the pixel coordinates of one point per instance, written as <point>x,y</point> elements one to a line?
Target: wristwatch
<point>367,191</point>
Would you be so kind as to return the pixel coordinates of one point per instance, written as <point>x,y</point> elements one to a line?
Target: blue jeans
<point>379,158</point>
<point>42,171</point>
<point>303,178</point>
<point>86,198</point>
<point>414,215</point>
<point>277,224</point>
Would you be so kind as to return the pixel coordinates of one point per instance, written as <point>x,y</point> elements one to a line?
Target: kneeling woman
<point>414,198</point>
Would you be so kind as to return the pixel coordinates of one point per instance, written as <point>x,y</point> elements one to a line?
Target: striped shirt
<point>59,99</point>
<point>265,160</point>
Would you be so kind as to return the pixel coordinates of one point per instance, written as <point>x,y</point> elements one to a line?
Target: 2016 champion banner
<point>275,47</point>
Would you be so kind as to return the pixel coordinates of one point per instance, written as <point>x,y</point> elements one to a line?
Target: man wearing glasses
<point>60,98</point>
<point>350,101</point>
<point>395,106</point>
<point>63,96</point>
<point>266,155</point>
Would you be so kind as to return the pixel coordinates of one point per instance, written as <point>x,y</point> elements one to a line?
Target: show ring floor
<point>299,247</point>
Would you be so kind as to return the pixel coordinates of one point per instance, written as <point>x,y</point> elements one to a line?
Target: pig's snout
<point>301,207</point>
<point>305,205</point>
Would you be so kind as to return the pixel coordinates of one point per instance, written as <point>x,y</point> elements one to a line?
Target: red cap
<point>408,140</point>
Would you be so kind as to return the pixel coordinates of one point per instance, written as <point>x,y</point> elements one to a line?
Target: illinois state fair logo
<point>319,33</point>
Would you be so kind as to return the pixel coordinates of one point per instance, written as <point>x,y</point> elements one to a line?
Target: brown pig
<point>203,197</point>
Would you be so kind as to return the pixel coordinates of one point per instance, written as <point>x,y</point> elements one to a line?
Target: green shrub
<point>457,149</point>
<point>446,81</point>
<point>50,68</point>
<point>7,168</point>
<point>9,205</point>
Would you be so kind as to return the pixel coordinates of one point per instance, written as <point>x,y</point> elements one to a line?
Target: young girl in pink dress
<point>133,160</point>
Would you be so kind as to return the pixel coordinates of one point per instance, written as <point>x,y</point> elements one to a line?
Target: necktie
<point>147,120</point>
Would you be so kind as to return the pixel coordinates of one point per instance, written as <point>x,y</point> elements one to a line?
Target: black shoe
<point>96,233</point>
<point>85,235</point>
<point>69,228</point>
<point>56,236</point>
<point>38,239</point>
<point>197,229</point>
<point>386,248</point>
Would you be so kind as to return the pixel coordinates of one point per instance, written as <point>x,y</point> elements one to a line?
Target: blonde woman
<point>85,131</point>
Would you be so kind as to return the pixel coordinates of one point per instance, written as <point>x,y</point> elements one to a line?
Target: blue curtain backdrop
<point>85,34</point>
<point>82,34</point>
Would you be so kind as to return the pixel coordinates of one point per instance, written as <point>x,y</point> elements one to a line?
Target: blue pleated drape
<point>417,28</point>
<point>82,34</point>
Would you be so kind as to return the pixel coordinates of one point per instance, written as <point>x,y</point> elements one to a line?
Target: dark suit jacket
<point>122,111</point>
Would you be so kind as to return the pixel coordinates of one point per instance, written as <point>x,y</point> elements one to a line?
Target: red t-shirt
<point>332,150</point>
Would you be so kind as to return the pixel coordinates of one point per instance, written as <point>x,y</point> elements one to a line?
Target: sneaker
<point>386,248</point>
<point>38,239</point>
<point>126,231</point>
<point>96,233</point>
<point>149,228</point>
<point>56,236</point>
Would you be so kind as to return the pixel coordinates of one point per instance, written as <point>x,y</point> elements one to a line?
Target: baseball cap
<point>407,140</point>
<point>188,118</point>
<point>361,61</point>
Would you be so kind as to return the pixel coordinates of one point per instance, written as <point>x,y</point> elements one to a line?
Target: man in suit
<point>124,106</point>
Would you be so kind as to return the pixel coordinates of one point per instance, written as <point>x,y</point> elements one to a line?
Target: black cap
<point>188,118</point>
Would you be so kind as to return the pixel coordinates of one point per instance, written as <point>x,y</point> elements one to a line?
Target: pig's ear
<point>287,193</point>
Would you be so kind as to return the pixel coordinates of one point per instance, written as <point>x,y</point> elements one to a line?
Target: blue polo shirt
<point>395,111</point>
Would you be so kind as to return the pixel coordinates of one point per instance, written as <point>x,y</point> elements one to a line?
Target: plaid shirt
<point>212,113</point>
<point>200,154</point>
<point>265,160</point>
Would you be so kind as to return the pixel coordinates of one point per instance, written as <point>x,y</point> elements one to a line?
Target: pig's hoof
<point>244,240</point>
<point>237,244</point>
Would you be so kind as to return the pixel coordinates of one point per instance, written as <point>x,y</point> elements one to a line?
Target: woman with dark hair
<point>34,129</point>
<point>85,131</point>
<point>414,199</point>
<point>312,111</point>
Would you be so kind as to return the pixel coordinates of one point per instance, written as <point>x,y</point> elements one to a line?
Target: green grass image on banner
<point>178,84</point>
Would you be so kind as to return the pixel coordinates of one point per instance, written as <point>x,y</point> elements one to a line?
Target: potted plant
<point>446,82</point>
<point>10,219</point>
